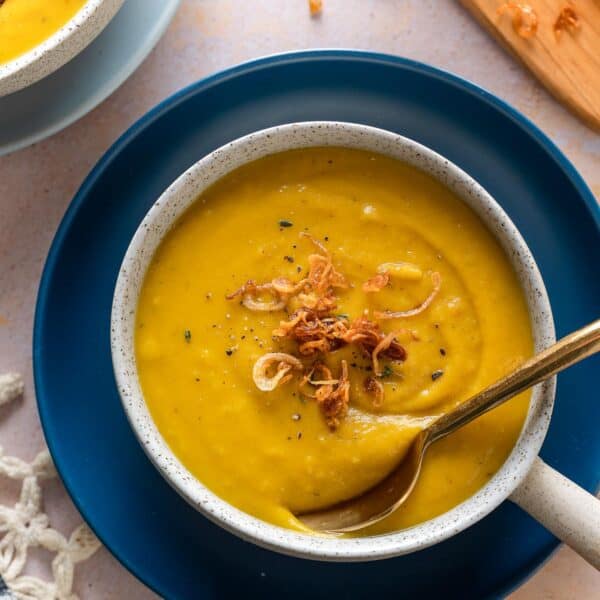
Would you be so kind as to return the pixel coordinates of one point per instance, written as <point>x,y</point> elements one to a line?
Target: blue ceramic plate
<point>55,102</point>
<point>161,539</point>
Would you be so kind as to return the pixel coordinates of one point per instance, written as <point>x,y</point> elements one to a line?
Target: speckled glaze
<point>59,48</point>
<point>180,195</point>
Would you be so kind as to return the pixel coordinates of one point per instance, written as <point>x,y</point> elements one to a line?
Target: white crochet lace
<point>26,525</point>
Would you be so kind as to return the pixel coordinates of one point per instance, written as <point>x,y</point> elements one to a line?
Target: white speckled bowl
<point>180,195</point>
<point>59,48</point>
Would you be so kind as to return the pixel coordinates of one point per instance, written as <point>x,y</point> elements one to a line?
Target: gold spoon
<point>386,496</point>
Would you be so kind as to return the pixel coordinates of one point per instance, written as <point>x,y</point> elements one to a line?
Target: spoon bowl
<point>379,501</point>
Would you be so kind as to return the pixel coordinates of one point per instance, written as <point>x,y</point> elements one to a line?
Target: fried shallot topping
<point>376,283</point>
<point>383,346</point>
<point>318,375</point>
<point>316,290</point>
<point>385,271</point>
<point>317,331</point>
<point>335,398</point>
<point>367,335</point>
<point>322,305</point>
<point>332,395</point>
<point>567,19</point>
<point>524,17</point>
<point>251,292</point>
<point>283,364</point>
<point>316,335</point>
<point>322,275</point>
<point>374,387</point>
<point>312,333</point>
<point>436,279</point>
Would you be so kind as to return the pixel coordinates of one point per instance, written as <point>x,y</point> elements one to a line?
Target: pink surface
<point>37,184</point>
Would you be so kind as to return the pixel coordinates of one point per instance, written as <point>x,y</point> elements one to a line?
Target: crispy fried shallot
<point>436,279</point>
<point>315,7</point>
<point>321,305</point>
<point>317,331</point>
<point>250,293</point>
<point>283,364</point>
<point>322,275</point>
<point>312,333</point>
<point>383,346</point>
<point>314,292</point>
<point>315,335</point>
<point>367,335</point>
<point>376,283</point>
<point>567,19</point>
<point>332,395</point>
<point>284,287</point>
<point>324,378</point>
<point>334,399</point>
<point>385,271</point>
<point>316,243</point>
<point>375,388</point>
<point>524,17</point>
<point>252,303</point>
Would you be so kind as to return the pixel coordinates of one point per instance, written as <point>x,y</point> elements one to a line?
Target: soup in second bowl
<point>309,314</point>
<point>24,24</point>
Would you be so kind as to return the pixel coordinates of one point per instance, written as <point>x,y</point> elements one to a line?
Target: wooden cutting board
<point>568,64</point>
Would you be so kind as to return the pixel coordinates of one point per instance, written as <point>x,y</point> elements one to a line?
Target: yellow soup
<point>273,454</point>
<point>25,24</point>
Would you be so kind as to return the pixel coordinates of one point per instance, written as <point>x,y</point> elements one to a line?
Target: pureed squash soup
<point>24,24</point>
<point>309,314</point>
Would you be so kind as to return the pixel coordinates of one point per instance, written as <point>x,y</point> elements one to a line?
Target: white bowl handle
<point>562,507</point>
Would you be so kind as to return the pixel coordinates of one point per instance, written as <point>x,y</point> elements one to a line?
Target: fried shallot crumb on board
<point>524,17</point>
<point>315,7</point>
<point>567,19</point>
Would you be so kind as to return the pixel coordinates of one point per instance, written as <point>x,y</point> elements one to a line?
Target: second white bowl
<point>59,48</point>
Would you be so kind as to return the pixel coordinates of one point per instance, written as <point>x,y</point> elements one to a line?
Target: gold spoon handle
<point>566,352</point>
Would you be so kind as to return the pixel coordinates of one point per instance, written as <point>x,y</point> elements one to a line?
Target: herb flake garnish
<point>436,374</point>
<point>187,334</point>
<point>387,372</point>
<point>284,223</point>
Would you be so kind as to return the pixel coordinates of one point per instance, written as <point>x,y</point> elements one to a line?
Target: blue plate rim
<point>523,122</point>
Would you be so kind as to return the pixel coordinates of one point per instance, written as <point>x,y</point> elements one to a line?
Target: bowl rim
<point>58,48</point>
<point>175,200</point>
